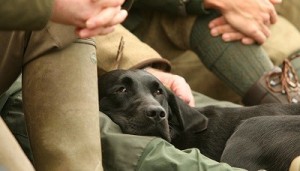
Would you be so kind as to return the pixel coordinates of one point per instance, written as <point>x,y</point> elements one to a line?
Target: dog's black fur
<point>259,137</point>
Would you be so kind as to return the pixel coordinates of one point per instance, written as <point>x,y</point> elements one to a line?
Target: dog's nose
<point>156,113</point>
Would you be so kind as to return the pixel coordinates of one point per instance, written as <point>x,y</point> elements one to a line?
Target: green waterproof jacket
<point>121,152</point>
<point>24,14</point>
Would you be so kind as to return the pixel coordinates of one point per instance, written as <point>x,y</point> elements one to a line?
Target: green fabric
<point>160,155</point>
<point>120,151</point>
<point>144,153</point>
<point>203,100</point>
<point>24,14</point>
<point>239,66</point>
<point>124,152</point>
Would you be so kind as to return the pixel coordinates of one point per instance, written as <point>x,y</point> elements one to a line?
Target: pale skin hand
<point>249,17</point>
<point>90,17</point>
<point>175,83</point>
<point>219,26</point>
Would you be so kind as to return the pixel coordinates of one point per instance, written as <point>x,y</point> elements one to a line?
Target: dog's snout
<point>156,113</point>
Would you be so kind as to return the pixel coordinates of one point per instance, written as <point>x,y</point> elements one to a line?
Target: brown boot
<point>277,86</point>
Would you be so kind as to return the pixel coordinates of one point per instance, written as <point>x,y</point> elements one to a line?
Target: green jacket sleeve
<point>160,155</point>
<point>24,14</point>
<point>145,153</point>
<point>179,7</point>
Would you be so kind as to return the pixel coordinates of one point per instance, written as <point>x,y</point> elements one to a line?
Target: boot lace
<point>288,79</point>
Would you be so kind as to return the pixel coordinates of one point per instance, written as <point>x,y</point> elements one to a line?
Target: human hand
<point>220,27</point>
<point>175,83</point>
<point>90,17</point>
<point>250,17</point>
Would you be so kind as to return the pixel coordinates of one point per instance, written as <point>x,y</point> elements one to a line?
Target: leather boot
<point>277,86</point>
<point>60,97</point>
<point>11,155</point>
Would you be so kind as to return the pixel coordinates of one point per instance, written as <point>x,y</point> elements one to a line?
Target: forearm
<point>135,53</point>
<point>24,15</point>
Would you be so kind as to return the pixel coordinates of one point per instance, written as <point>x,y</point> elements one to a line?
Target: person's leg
<point>238,65</point>
<point>246,69</point>
<point>11,54</point>
<point>295,165</point>
<point>11,49</point>
<point>60,100</point>
<point>283,42</point>
<point>290,9</point>
<point>11,155</point>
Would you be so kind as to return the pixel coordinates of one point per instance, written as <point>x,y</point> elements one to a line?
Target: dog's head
<point>141,105</point>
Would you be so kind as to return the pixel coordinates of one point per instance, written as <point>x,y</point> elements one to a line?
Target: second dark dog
<point>260,137</point>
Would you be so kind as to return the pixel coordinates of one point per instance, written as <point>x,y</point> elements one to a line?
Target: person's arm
<point>89,17</point>
<point>138,55</point>
<point>24,15</point>
<point>256,15</point>
<point>135,54</point>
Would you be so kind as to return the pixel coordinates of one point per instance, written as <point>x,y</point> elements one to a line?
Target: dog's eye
<point>158,91</point>
<point>121,90</point>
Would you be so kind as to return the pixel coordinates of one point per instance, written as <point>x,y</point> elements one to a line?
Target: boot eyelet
<point>294,100</point>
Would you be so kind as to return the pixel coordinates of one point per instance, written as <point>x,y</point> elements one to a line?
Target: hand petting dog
<point>175,83</point>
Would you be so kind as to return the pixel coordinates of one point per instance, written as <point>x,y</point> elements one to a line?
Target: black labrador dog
<point>260,137</point>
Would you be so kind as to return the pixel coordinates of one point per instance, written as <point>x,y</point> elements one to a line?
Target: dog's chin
<point>159,130</point>
<point>166,136</point>
<point>162,131</point>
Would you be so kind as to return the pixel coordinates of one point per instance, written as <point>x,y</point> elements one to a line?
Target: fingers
<point>109,3</point>
<point>219,30</point>
<point>217,22</point>
<point>107,17</point>
<point>102,24</point>
<point>176,83</point>
<point>229,37</point>
<point>247,41</point>
<point>273,15</point>
<point>182,89</point>
<point>219,26</point>
<point>261,34</point>
<point>86,33</point>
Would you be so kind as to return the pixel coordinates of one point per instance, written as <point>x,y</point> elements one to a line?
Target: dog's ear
<point>187,117</point>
